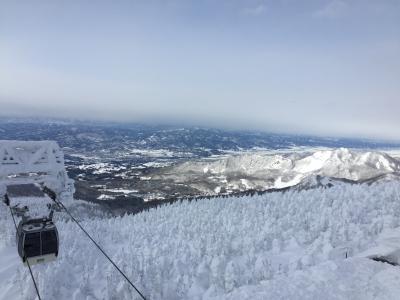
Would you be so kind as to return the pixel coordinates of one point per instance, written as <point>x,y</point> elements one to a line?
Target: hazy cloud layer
<point>327,67</point>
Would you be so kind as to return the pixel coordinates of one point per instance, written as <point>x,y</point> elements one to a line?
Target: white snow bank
<point>356,279</point>
<point>386,247</point>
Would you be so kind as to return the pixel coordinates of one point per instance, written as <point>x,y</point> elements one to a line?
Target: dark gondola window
<point>32,244</point>
<point>49,242</point>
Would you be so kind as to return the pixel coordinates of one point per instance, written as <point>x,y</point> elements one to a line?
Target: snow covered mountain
<point>308,242</point>
<point>315,244</point>
<point>264,171</point>
<point>107,160</point>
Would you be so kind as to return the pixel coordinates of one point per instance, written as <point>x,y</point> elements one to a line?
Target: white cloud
<point>334,9</point>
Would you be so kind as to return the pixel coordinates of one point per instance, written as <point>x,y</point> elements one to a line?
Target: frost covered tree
<point>231,276</point>
<point>209,247</point>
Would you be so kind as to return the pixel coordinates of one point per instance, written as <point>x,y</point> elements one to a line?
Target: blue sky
<point>328,67</point>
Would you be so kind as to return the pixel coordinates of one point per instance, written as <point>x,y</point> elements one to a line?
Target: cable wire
<point>12,215</point>
<point>33,279</point>
<point>101,250</point>
<point>27,262</point>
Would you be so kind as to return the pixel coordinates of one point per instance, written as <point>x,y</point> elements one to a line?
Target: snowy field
<point>289,245</point>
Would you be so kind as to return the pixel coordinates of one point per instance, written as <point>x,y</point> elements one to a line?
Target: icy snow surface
<point>290,245</point>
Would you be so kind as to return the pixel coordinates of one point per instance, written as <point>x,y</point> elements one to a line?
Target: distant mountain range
<point>110,138</point>
<point>135,162</point>
<point>265,171</point>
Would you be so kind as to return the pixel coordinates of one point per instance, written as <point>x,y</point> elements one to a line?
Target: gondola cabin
<point>37,240</point>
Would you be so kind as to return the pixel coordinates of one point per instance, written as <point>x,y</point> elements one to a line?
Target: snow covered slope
<point>290,245</point>
<point>353,279</point>
<point>263,171</point>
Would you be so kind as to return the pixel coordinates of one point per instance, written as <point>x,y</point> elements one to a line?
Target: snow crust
<point>290,245</point>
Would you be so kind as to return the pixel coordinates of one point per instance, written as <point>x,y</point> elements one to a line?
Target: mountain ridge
<point>264,171</point>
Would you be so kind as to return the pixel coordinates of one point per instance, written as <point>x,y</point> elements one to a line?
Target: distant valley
<point>127,165</point>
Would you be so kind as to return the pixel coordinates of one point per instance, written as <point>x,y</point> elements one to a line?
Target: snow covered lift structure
<point>41,162</point>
